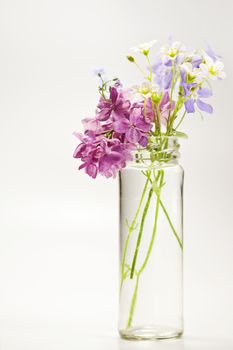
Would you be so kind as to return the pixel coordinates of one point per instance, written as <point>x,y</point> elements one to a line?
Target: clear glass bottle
<point>151,243</point>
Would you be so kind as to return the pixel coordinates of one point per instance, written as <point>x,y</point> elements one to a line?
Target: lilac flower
<point>116,104</point>
<point>135,127</point>
<point>91,124</point>
<point>93,128</point>
<point>88,153</point>
<point>103,155</point>
<point>114,157</point>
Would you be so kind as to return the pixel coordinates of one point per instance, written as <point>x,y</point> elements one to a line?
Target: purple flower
<point>196,61</point>
<point>114,157</point>
<point>102,155</point>
<point>205,107</point>
<point>88,153</point>
<point>94,129</point>
<point>163,70</point>
<point>204,93</point>
<point>189,105</point>
<point>116,105</point>
<point>109,138</point>
<point>187,89</point>
<point>91,124</point>
<point>210,52</point>
<point>163,73</point>
<point>135,127</point>
<point>191,90</point>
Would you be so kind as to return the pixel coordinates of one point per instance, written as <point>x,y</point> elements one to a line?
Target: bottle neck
<point>163,152</point>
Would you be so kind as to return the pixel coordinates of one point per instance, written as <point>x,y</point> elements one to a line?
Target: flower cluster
<point>111,136</point>
<point>175,83</point>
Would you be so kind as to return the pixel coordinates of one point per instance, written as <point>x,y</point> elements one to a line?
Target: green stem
<point>172,89</point>
<point>134,298</point>
<point>150,68</point>
<point>182,118</point>
<point>170,222</point>
<point>133,303</point>
<point>140,232</point>
<point>156,112</point>
<point>131,228</point>
<point>141,70</point>
<point>155,226</point>
<point>172,227</point>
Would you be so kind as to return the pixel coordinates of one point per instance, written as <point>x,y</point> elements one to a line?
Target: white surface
<point>60,339</point>
<point>58,228</point>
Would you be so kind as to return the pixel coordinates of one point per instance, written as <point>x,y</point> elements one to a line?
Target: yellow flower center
<point>144,90</point>
<point>173,52</point>
<point>212,70</point>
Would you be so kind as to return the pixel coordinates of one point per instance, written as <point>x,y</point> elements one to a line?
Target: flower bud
<point>156,97</point>
<point>130,58</point>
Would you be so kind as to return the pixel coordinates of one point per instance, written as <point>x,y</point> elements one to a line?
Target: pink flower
<point>87,151</point>
<point>106,156</point>
<point>111,136</point>
<point>165,106</point>
<point>135,127</point>
<point>114,158</point>
<point>115,105</point>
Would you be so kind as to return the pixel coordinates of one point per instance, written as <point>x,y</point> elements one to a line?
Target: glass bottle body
<point>151,247</point>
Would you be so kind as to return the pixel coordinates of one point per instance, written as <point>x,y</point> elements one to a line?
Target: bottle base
<point>150,333</point>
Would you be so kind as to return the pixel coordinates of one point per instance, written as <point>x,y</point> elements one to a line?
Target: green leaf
<point>180,134</point>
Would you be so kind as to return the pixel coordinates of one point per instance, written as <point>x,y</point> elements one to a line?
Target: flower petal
<point>143,141</point>
<point>189,106</point>
<point>121,125</point>
<point>91,170</point>
<point>103,114</point>
<point>165,99</point>
<point>167,79</point>
<point>204,92</point>
<point>133,135</point>
<point>113,94</point>
<point>79,149</point>
<point>205,107</point>
<point>142,125</point>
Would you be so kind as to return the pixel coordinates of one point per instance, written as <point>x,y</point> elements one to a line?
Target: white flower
<point>194,74</point>
<point>212,70</point>
<point>145,89</point>
<point>173,50</point>
<point>144,48</point>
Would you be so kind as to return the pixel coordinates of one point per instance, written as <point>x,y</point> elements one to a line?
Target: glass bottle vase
<point>151,245</point>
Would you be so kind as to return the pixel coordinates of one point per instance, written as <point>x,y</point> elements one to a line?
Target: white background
<point>58,227</point>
